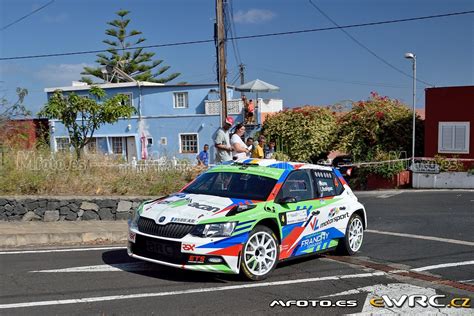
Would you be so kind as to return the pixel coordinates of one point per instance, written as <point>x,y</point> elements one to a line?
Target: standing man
<point>222,142</point>
<point>203,157</point>
<point>257,151</point>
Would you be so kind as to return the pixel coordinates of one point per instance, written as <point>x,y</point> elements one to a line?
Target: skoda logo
<point>161,219</point>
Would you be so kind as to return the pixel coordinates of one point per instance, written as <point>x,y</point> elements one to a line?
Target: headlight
<point>134,216</point>
<point>214,230</point>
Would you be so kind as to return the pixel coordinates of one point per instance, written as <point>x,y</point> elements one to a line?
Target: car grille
<point>171,230</point>
<point>158,249</point>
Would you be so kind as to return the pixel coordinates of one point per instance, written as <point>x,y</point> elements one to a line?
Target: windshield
<point>233,185</point>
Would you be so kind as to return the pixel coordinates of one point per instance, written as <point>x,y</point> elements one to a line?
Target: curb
<point>21,240</point>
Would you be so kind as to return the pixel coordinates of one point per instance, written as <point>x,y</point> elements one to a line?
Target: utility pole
<point>242,76</point>
<point>221,63</point>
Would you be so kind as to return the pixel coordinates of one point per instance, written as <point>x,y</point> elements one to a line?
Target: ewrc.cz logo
<point>335,219</point>
<point>419,300</point>
<point>313,303</point>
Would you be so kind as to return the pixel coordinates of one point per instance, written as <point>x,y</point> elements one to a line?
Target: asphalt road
<point>417,243</point>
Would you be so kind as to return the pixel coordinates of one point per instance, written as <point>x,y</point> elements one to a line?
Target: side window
<point>338,184</point>
<point>297,185</point>
<point>325,184</point>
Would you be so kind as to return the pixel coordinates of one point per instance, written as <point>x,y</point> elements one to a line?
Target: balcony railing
<point>234,107</point>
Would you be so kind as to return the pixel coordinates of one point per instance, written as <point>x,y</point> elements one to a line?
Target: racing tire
<point>352,241</point>
<point>260,254</point>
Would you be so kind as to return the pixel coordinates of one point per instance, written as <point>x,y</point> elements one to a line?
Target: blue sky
<point>340,69</point>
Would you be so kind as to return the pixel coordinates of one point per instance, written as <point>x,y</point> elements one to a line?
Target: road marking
<point>129,267</point>
<point>396,291</point>
<point>58,250</point>
<point>443,265</point>
<point>387,195</point>
<point>190,291</point>
<point>447,240</point>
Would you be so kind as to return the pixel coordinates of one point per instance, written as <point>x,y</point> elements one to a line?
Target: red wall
<point>448,104</point>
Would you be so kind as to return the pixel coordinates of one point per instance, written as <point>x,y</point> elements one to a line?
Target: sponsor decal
<point>204,207</point>
<point>296,217</point>
<point>132,236</point>
<point>313,303</point>
<point>196,259</point>
<point>187,247</point>
<point>334,219</point>
<point>416,300</point>
<point>314,239</point>
<point>183,220</point>
<point>314,224</point>
<point>283,219</point>
<point>335,211</point>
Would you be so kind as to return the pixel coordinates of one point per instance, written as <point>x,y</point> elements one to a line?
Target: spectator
<point>249,143</point>
<point>250,112</point>
<point>240,150</point>
<point>270,150</point>
<point>257,151</point>
<point>222,142</point>
<point>203,157</point>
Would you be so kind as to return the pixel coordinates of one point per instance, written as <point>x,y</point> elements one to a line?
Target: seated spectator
<point>203,156</point>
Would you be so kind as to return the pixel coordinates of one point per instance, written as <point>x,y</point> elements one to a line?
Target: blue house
<point>171,120</point>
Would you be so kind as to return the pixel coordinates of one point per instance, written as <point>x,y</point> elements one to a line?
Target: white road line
<point>190,291</point>
<point>116,267</point>
<point>447,240</point>
<point>57,250</point>
<point>444,265</point>
<point>387,195</point>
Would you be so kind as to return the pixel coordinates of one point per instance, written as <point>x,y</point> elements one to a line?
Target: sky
<point>316,68</point>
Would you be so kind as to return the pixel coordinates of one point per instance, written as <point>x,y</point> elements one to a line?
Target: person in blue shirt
<point>203,157</point>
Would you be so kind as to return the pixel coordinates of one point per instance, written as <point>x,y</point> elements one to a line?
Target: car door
<point>294,205</point>
<point>334,209</point>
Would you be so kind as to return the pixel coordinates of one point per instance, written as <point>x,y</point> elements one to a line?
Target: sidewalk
<point>24,234</point>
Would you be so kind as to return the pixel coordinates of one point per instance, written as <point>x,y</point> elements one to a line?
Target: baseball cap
<point>229,120</point>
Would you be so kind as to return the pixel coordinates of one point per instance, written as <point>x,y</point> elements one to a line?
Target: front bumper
<point>189,252</point>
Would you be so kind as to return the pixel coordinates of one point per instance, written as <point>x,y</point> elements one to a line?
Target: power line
<point>247,36</point>
<point>235,47</point>
<point>26,16</point>
<point>365,47</point>
<point>361,83</point>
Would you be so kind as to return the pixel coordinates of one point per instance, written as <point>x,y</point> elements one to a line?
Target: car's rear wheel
<point>352,241</point>
<point>259,254</point>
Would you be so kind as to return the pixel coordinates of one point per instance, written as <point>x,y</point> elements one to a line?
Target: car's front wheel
<point>352,242</point>
<point>259,254</point>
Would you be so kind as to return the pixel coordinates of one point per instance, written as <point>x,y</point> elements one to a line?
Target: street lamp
<point>413,58</point>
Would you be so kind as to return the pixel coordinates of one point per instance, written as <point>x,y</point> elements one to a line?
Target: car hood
<point>186,208</point>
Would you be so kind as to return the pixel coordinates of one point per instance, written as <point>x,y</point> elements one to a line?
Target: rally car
<point>247,216</point>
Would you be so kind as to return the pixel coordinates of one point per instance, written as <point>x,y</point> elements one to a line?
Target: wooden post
<point>221,63</point>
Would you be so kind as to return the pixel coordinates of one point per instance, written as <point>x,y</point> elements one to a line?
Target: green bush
<point>376,127</point>
<point>302,134</point>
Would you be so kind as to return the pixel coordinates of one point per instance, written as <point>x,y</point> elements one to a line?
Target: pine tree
<point>137,63</point>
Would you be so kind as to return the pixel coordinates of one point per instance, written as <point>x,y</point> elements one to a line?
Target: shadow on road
<point>118,258</point>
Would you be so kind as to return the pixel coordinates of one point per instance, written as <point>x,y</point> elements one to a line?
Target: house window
<point>92,145</point>
<point>453,137</point>
<point>180,100</point>
<point>164,141</point>
<point>117,145</point>
<point>188,143</point>
<point>63,144</point>
<point>128,99</point>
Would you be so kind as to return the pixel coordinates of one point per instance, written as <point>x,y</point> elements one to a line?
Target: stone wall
<point>49,209</point>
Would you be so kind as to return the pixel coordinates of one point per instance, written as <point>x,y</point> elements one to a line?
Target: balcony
<point>234,107</point>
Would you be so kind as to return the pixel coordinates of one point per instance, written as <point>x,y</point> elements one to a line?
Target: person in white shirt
<point>239,149</point>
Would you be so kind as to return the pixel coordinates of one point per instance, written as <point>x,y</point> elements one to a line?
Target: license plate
<point>159,248</point>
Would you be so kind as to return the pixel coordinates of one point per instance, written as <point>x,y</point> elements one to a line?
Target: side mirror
<point>286,200</point>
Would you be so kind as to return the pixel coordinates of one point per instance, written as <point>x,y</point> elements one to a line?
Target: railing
<point>234,107</point>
